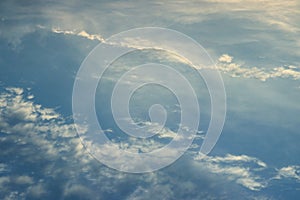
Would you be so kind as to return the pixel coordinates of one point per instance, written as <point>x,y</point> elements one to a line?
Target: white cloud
<point>272,13</point>
<point>23,119</point>
<point>237,70</point>
<point>44,138</point>
<point>264,17</point>
<point>91,36</point>
<point>135,43</point>
<point>16,107</point>
<point>225,64</point>
<point>3,168</point>
<point>48,114</point>
<point>229,158</point>
<point>78,191</point>
<point>37,191</point>
<point>283,72</point>
<point>53,143</point>
<point>292,171</point>
<point>23,180</point>
<point>30,97</point>
<point>225,58</point>
<point>83,34</point>
<point>236,168</point>
<point>155,192</point>
<point>18,91</point>
<point>4,180</point>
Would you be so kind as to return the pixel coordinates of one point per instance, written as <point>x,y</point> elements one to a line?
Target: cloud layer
<point>225,62</point>
<point>41,152</point>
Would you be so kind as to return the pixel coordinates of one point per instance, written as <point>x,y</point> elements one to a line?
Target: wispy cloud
<point>83,34</point>
<point>237,168</point>
<point>225,62</point>
<point>226,65</point>
<point>271,13</point>
<point>262,20</point>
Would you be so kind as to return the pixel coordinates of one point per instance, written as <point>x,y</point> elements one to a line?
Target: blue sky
<point>255,45</point>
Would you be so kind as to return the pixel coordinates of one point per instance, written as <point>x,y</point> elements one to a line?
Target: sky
<point>254,45</point>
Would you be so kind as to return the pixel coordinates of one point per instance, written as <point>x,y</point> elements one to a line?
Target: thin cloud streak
<point>225,62</point>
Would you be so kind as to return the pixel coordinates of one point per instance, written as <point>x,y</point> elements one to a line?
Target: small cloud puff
<point>226,58</point>
<point>289,172</point>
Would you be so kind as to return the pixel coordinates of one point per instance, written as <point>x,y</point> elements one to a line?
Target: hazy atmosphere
<point>253,44</point>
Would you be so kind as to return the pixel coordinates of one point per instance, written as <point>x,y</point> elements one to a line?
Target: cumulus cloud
<point>31,134</point>
<point>225,58</point>
<point>16,107</point>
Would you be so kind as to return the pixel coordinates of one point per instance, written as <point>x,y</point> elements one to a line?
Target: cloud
<point>292,171</point>
<point>78,191</point>
<point>92,16</point>
<point>225,58</point>
<point>3,168</point>
<point>53,143</point>
<point>229,158</point>
<point>286,72</point>
<point>4,180</point>
<point>237,168</point>
<point>32,134</point>
<point>23,180</point>
<point>225,62</point>
<point>83,34</point>
<point>16,107</point>
<point>271,13</point>
<point>226,66</point>
<point>65,166</point>
<point>36,191</point>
